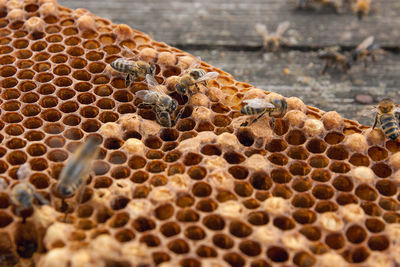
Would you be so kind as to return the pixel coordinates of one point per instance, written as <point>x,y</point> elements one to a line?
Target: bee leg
<point>178,116</point>
<point>133,78</point>
<point>263,50</point>
<point>142,105</point>
<point>325,68</point>
<point>375,122</point>
<point>128,80</point>
<point>64,205</point>
<point>41,198</point>
<point>197,87</point>
<point>257,118</point>
<point>244,124</point>
<point>273,122</point>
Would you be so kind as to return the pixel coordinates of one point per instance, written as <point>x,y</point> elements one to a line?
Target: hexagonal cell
<point>356,234</point>
<point>343,183</point>
<point>339,167</point>
<point>337,152</point>
<point>382,170</point>
<point>277,254</point>
<point>374,225</point>
<point>318,161</point>
<point>299,168</point>
<point>322,191</point>
<point>335,241</point>
<point>358,159</point>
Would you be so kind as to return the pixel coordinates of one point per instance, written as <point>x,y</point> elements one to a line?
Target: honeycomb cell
<point>382,170</point>
<point>335,241</point>
<point>214,222</point>
<point>9,82</point>
<point>243,189</point>
<point>284,223</point>
<point>337,152</point>
<point>378,242</point>
<point>304,259</point>
<point>278,159</point>
<point>277,254</point>
<point>316,146</point>
<point>386,187</point>
<point>358,159</point>
<point>323,191</point>
<point>281,176</point>
<point>16,158</point>
<point>304,216</point>
<point>7,71</point>
<point>339,167</point>
<point>15,143</point>
<point>5,219</point>
<point>374,225</point>
<point>356,234</point>
<point>356,255</point>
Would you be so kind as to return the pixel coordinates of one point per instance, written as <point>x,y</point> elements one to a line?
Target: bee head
<point>196,73</point>
<point>386,105</point>
<point>24,198</point>
<point>64,190</point>
<point>280,104</point>
<point>354,55</point>
<point>174,104</point>
<point>181,89</point>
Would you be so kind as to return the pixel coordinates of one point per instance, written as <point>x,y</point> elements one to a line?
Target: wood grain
<point>230,23</point>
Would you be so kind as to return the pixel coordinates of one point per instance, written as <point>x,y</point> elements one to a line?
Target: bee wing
<point>367,42</point>
<point>258,103</point>
<point>127,52</point>
<point>41,198</point>
<point>3,184</point>
<point>141,94</point>
<point>370,112</point>
<point>151,81</point>
<point>208,76</point>
<point>154,85</point>
<point>396,110</point>
<point>282,27</point>
<point>261,29</point>
<point>24,171</point>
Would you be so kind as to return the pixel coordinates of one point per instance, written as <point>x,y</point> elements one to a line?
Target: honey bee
<point>192,77</point>
<point>132,68</point>
<point>275,109</point>
<point>361,8</point>
<point>367,48</point>
<point>161,103</point>
<point>272,41</point>
<point>318,4</point>
<point>385,114</point>
<point>23,194</point>
<point>76,172</point>
<point>333,58</point>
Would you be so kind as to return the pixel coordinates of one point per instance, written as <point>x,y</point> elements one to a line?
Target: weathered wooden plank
<point>332,91</point>
<point>231,22</point>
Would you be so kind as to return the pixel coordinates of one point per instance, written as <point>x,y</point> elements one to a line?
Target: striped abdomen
<point>247,110</point>
<point>123,65</point>
<point>389,126</point>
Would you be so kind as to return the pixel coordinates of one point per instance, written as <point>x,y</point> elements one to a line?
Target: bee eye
<point>180,88</point>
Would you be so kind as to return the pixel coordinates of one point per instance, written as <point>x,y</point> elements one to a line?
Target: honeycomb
<point>312,190</point>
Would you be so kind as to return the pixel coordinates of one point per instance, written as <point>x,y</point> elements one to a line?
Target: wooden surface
<point>222,33</point>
